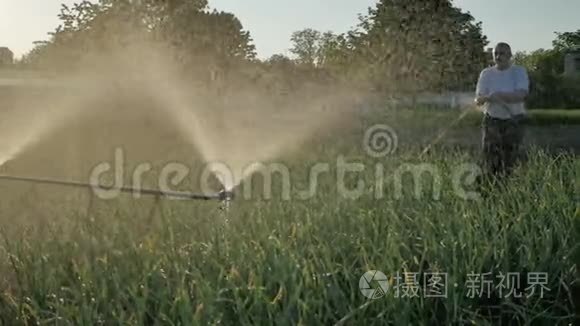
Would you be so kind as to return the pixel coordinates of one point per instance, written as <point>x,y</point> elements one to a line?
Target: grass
<point>275,261</point>
<point>537,117</point>
<point>551,117</point>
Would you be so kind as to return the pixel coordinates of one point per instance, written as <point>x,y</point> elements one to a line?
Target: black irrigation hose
<point>224,195</point>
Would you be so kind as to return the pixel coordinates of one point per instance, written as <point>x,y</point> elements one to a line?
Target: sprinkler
<point>224,196</point>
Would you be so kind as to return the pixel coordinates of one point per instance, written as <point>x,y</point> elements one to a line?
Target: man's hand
<point>480,100</point>
<point>508,97</point>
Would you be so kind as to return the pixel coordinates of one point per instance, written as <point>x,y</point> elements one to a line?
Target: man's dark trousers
<point>502,140</point>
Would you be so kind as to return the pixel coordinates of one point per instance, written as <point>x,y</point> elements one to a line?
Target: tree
<point>331,50</point>
<point>324,53</point>
<point>182,25</point>
<point>306,44</point>
<point>279,61</point>
<point>218,34</point>
<point>420,45</point>
<point>549,88</point>
<point>544,68</point>
<point>548,61</point>
<point>567,41</point>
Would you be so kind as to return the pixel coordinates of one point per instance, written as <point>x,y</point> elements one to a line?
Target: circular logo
<point>376,278</point>
<point>380,141</point>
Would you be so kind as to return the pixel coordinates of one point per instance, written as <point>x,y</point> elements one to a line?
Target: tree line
<point>398,46</point>
<point>550,86</point>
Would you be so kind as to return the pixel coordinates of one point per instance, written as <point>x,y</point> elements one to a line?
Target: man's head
<point>502,54</point>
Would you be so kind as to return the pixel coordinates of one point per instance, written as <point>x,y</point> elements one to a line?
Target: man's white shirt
<point>492,80</point>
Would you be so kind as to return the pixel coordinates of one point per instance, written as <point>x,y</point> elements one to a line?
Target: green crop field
<point>206,163</point>
<point>505,253</point>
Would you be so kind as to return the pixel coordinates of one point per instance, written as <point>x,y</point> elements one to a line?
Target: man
<point>501,91</point>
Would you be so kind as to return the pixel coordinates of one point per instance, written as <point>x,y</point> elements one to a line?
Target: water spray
<point>443,133</point>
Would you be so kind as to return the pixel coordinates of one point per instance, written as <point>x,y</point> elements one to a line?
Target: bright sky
<point>526,24</point>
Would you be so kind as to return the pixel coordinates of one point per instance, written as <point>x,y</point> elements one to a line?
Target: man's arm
<point>480,90</point>
<point>522,88</point>
<point>510,97</point>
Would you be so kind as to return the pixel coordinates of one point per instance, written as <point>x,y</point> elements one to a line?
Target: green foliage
<point>536,117</point>
<point>546,117</point>
<point>208,34</point>
<point>87,28</point>
<point>567,40</point>
<point>300,261</point>
<point>194,35</point>
<point>421,45</point>
<point>549,87</point>
<point>401,46</point>
<point>278,59</point>
<point>306,46</point>
<point>321,50</point>
<point>549,61</point>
